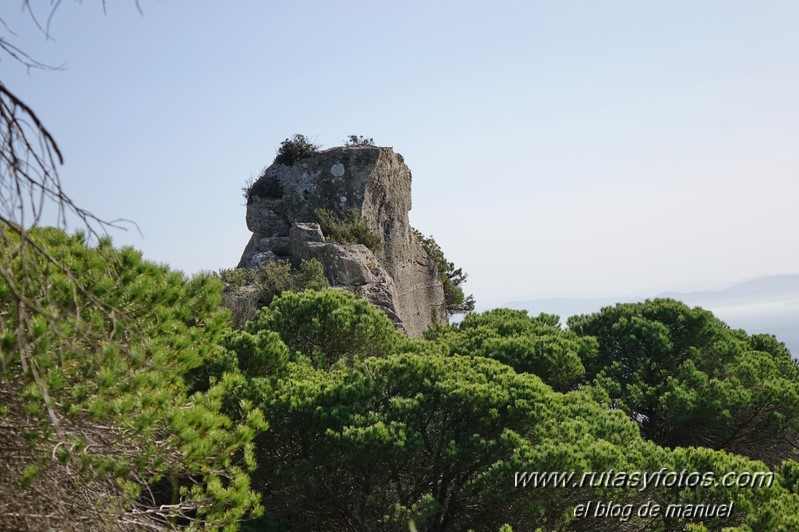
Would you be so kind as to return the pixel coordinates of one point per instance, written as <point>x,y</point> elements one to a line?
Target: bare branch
<point>18,55</point>
<point>55,3</point>
<point>26,5</point>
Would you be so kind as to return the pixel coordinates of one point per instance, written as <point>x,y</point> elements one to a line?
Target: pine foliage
<point>137,405</point>
<point>102,381</point>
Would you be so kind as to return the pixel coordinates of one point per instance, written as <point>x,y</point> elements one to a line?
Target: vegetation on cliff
<point>451,277</point>
<point>359,141</point>
<point>293,149</point>
<point>347,227</point>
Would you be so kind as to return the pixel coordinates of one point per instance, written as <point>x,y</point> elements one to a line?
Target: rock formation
<point>398,278</point>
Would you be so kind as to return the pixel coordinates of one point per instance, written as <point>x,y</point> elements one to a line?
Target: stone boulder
<point>400,278</point>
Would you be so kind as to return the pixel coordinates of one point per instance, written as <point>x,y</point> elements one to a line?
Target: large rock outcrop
<point>398,278</point>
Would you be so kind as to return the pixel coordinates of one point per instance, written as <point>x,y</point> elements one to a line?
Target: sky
<point>558,149</point>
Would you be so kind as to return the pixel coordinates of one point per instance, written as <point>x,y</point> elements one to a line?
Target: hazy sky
<point>576,148</point>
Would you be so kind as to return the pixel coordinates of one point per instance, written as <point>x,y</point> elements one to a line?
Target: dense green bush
<point>531,345</point>
<point>347,228</point>
<point>688,379</point>
<point>104,376</point>
<point>295,148</point>
<point>263,187</point>
<point>363,432</point>
<point>369,429</point>
<point>248,289</point>
<point>324,327</point>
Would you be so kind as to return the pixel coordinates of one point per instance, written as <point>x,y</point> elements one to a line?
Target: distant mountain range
<point>765,305</point>
<point>771,289</point>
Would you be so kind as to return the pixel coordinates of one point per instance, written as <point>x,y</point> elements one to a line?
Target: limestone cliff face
<point>400,278</point>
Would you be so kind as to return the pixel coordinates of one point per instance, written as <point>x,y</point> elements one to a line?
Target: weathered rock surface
<point>400,279</point>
